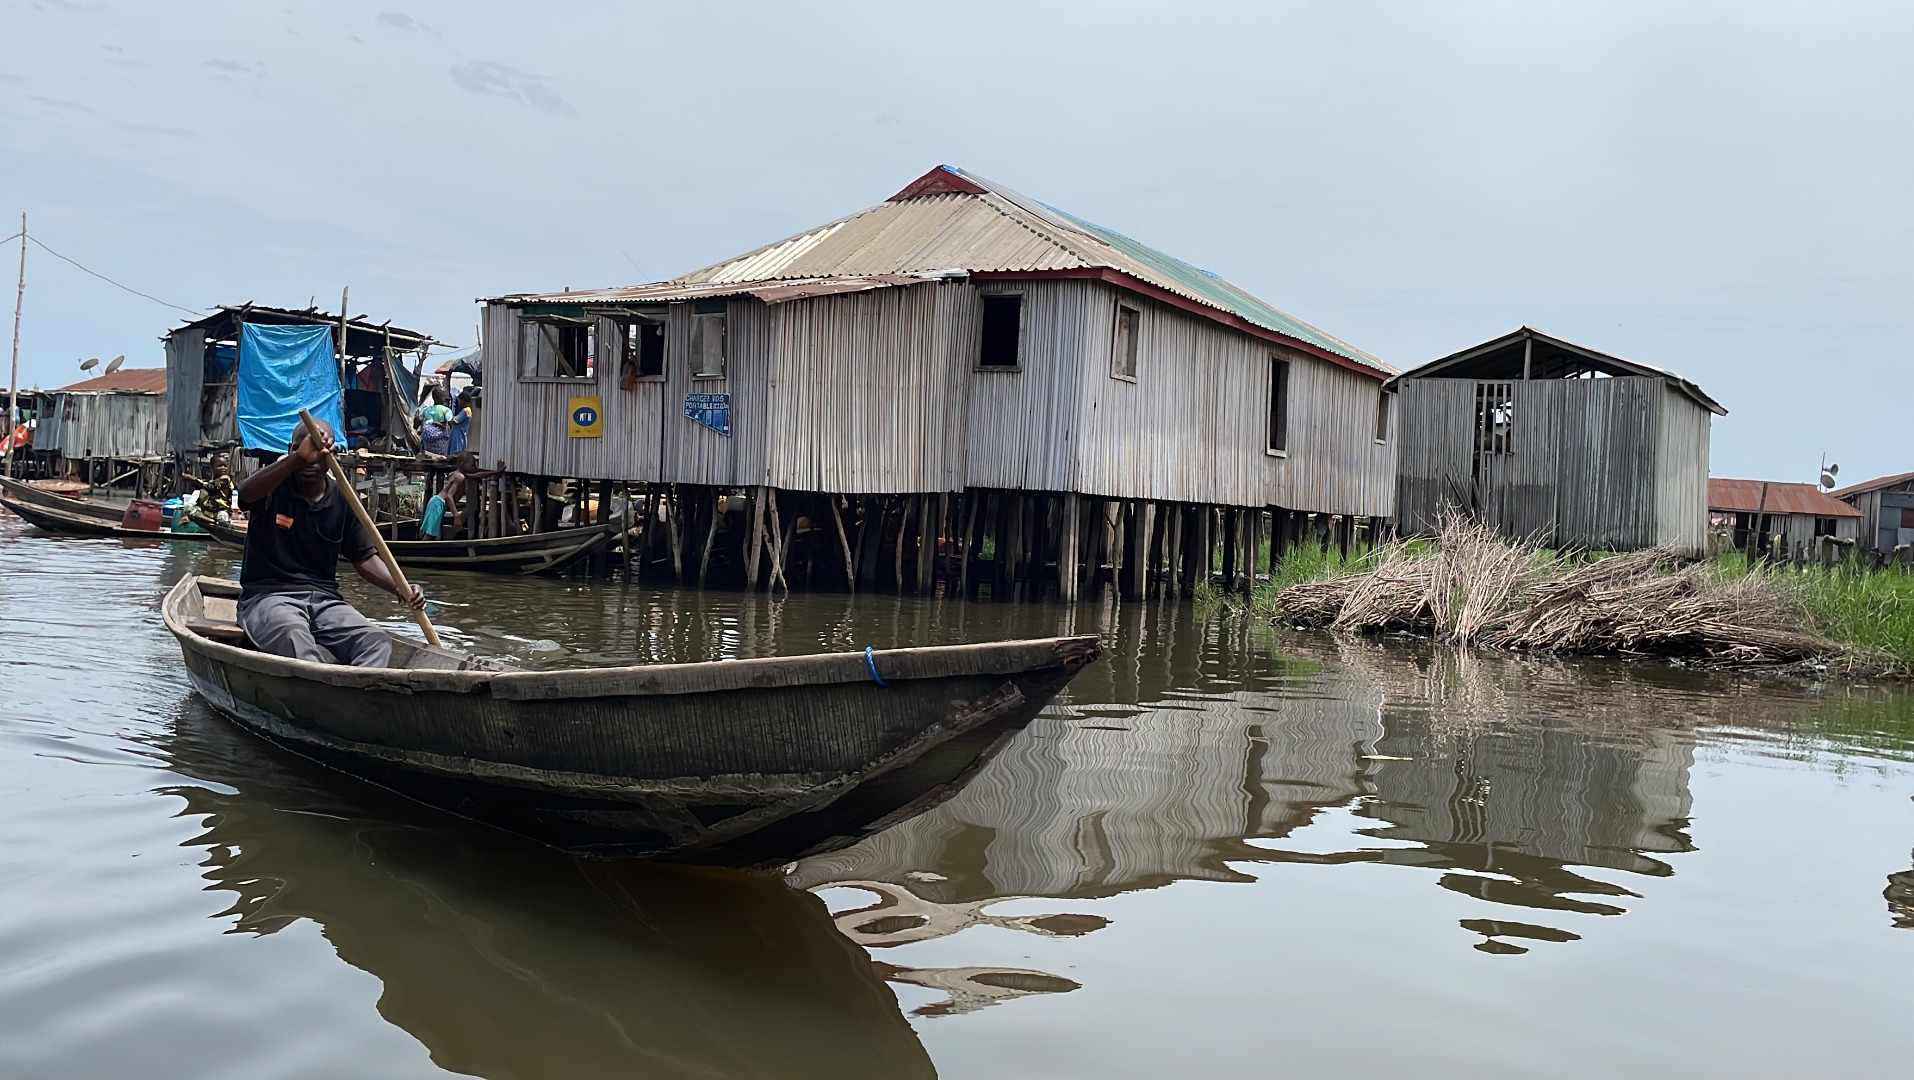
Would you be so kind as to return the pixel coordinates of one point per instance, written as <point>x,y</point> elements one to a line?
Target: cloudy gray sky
<point>1718,188</point>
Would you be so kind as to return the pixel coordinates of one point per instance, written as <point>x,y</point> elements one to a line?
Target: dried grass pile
<point>1476,588</point>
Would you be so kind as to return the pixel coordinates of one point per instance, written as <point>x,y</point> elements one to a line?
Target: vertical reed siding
<point>1612,463</point>
<point>103,425</point>
<point>185,376</point>
<point>879,392</point>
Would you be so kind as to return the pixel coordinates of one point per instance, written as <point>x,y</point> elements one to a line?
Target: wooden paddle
<point>365,519</point>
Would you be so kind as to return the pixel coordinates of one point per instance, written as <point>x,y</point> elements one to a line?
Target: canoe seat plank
<point>229,632</point>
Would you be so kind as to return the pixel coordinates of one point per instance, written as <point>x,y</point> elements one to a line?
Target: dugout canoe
<point>530,553</point>
<point>45,494</point>
<point>741,763</point>
<point>79,521</point>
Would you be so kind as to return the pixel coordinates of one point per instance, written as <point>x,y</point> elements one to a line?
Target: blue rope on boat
<point>870,658</point>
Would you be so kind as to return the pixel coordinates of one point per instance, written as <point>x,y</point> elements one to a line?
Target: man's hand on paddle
<point>311,446</point>
<point>416,600</point>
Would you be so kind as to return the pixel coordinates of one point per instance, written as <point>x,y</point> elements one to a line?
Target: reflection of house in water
<point>1900,898</point>
<point>1197,786</point>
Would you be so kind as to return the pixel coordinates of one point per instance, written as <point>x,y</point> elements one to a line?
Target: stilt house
<point>202,368</point>
<point>1886,505</point>
<point>1767,511</point>
<point>109,421</point>
<point>957,341</point>
<point>1554,441</point>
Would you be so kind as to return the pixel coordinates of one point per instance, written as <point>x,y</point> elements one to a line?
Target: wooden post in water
<point>13,379</point>
<point>754,540</point>
<point>844,541</point>
<point>1069,549</point>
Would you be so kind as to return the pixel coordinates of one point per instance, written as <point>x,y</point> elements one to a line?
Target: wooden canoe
<point>79,521</point>
<point>742,763</point>
<point>56,498</point>
<point>530,553</point>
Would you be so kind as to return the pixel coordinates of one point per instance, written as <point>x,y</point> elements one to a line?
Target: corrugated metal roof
<point>1783,498</point>
<point>126,380</point>
<point>1459,364</point>
<point>953,220</point>
<point>771,291</point>
<point>1875,484</point>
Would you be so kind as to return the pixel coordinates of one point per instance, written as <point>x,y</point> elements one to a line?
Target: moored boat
<point>745,762</point>
<point>70,496</point>
<point>529,553</point>
<point>82,520</point>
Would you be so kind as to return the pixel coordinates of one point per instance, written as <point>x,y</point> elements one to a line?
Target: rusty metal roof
<point>1783,498</point>
<point>1875,484</point>
<point>769,290</point>
<point>124,381</point>
<point>950,222</point>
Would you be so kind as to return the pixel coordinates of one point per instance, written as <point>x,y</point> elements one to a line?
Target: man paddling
<point>298,523</point>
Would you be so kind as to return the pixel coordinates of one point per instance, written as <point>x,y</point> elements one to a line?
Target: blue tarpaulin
<point>283,369</point>
<point>408,384</point>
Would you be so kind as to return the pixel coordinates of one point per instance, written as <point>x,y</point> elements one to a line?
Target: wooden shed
<point>957,342</point>
<point>1554,441</point>
<point>202,367</point>
<point>1886,506</point>
<point>113,419</point>
<point>1770,511</point>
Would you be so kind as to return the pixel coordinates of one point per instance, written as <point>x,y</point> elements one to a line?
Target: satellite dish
<point>113,365</point>
<point>89,365</point>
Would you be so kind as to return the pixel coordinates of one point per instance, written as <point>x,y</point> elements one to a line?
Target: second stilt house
<point>1083,399</point>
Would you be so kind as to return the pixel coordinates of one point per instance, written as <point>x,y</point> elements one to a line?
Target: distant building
<point>958,339</point>
<point>1886,506</point>
<point>1766,509</point>
<point>119,417</point>
<point>1550,440</point>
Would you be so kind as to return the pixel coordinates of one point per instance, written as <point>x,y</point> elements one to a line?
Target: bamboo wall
<point>879,393</point>
<point>185,379</point>
<point>1612,463</point>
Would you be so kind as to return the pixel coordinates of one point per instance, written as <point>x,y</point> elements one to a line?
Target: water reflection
<point>1900,898</point>
<point>1537,788</point>
<point>508,960</point>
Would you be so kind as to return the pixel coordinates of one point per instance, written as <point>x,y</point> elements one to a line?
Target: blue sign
<point>585,416</point>
<point>711,410</point>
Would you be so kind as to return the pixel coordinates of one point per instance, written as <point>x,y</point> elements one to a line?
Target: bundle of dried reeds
<point>1476,588</point>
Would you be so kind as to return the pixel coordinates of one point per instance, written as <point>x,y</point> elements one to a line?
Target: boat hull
<point>529,554</point>
<point>81,523</point>
<point>743,763</point>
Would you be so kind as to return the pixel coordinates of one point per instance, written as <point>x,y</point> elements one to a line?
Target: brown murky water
<point>1228,852</point>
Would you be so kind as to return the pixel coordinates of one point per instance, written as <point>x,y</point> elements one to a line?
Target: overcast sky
<point>1725,190</point>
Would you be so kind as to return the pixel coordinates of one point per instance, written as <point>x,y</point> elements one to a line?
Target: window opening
<point>1003,333</point>
<point>1824,526</point>
<point>558,348</point>
<point>1123,347</point>
<point>1278,403</point>
<point>1382,415</point>
<point>707,339</point>
<point>645,348</point>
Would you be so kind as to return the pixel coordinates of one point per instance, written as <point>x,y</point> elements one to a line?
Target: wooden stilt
<point>710,536</point>
<point>844,541</point>
<point>1068,550</point>
<point>971,498</point>
<point>780,542</point>
<point>927,528</point>
<point>754,541</point>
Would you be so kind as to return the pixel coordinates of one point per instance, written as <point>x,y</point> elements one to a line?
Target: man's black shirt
<point>294,546</point>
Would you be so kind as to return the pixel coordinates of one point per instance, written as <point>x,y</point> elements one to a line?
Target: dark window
<point>1382,416</point>
<point>707,339</point>
<point>645,348</point>
<point>1003,332</point>
<point>1123,347</point>
<point>559,348</point>
<point>1824,526</point>
<point>1278,403</point>
<point>1494,417</point>
<point>1907,517</point>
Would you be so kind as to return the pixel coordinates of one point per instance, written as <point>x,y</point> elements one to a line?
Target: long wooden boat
<point>530,553</point>
<point>78,521</point>
<point>744,762</point>
<point>22,491</point>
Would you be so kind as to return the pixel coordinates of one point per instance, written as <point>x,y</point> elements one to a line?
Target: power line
<point>109,280</point>
<point>10,239</point>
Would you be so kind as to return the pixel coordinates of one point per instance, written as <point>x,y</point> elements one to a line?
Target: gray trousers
<point>314,626</point>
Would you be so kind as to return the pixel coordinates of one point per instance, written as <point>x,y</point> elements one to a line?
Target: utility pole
<point>13,379</point>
